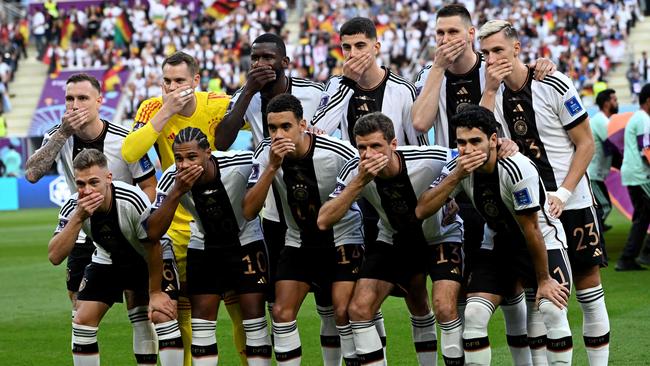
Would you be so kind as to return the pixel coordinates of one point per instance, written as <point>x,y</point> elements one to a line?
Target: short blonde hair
<point>495,26</point>
<point>88,158</point>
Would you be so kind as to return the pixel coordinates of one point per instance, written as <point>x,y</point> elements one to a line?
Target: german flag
<point>337,53</point>
<point>221,8</point>
<point>54,67</point>
<point>111,77</point>
<point>123,30</point>
<point>66,33</point>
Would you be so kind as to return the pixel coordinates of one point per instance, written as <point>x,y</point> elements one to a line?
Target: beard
<point>268,87</point>
<point>614,110</point>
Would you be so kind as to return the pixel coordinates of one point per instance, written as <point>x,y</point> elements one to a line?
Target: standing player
<point>522,242</point>
<point>157,123</point>
<point>304,167</point>
<point>81,128</point>
<point>226,252</point>
<point>266,80</point>
<point>547,120</point>
<point>456,79</point>
<point>392,178</point>
<point>634,173</point>
<point>112,214</point>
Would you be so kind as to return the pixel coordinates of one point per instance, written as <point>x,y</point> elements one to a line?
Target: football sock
<point>170,344</point>
<point>514,313</point>
<point>423,330</point>
<point>330,341</point>
<point>204,342</point>
<point>145,345</point>
<point>85,350</point>
<point>288,351</point>
<point>559,345</point>
<point>348,348</point>
<point>475,335</point>
<point>258,342</point>
<point>536,331</point>
<point>451,339</point>
<point>367,343</point>
<point>595,324</point>
<point>381,330</point>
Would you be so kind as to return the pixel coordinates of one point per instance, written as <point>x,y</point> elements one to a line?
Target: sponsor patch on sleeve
<point>438,180</point>
<point>255,173</point>
<point>522,197</point>
<point>145,163</point>
<point>573,106</point>
<point>338,189</point>
<point>159,200</point>
<point>62,224</point>
<point>323,101</point>
<point>418,90</point>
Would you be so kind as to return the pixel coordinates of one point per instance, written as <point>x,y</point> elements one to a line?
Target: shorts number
<point>559,272</point>
<point>591,232</point>
<point>261,263</point>
<point>344,259</point>
<point>454,253</point>
<point>168,271</point>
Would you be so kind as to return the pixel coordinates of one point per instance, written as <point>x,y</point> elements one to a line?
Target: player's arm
<point>328,118</point>
<point>158,300</point>
<point>547,287</point>
<point>494,75</point>
<point>165,205</point>
<point>148,186</point>
<point>425,107</point>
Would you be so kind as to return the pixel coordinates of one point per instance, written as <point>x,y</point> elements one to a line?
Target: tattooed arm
<point>39,163</point>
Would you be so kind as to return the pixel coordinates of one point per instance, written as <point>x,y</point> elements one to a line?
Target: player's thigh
<point>368,295</point>
<point>180,240</point>
<point>289,295</point>
<point>445,298</point>
<point>90,313</point>
<point>205,306</point>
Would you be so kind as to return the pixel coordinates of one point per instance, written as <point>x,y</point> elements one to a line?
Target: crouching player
<point>226,252</point>
<point>522,242</point>
<point>112,214</point>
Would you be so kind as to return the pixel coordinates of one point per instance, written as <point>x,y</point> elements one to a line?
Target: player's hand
<point>88,204</point>
<point>555,205</point>
<point>355,66</point>
<point>467,163</point>
<point>73,120</point>
<point>186,177</point>
<point>543,66</point>
<point>496,72</point>
<point>315,130</point>
<point>258,77</point>
<point>449,212</point>
<point>370,167</point>
<point>551,290</point>
<point>161,302</point>
<point>280,147</point>
<point>176,100</point>
<point>506,148</point>
<point>447,53</point>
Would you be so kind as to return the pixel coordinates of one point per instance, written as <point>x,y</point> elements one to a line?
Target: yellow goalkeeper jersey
<point>210,109</point>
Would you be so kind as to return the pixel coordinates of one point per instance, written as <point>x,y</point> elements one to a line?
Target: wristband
<point>563,194</point>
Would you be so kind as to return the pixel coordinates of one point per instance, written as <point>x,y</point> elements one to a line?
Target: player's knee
<point>360,310</point>
<point>444,309</point>
<point>477,316</point>
<point>158,317</point>
<point>341,313</point>
<point>553,316</point>
<point>283,314</point>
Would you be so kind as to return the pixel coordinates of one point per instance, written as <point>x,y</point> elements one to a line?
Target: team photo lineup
<point>466,185</point>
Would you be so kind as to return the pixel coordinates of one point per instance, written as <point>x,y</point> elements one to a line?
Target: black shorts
<point>79,258</point>
<point>394,264</point>
<point>106,282</point>
<point>170,283</point>
<point>473,227</point>
<point>215,271</point>
<point>445,262</point>
<point>583,238</point>
<point>497,271</point>
<point>274,234</point>
<point>559,267</point>
<point>320,267</point>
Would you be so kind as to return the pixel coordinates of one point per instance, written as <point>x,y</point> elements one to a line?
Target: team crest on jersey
<point>62,224</point>
<point>159,199</point>
<point>491,209</point>
<point>255,172</point>
<point>338,189</point>
<point>521,127</point>
<point>522,197</point>
<point>300,192</point>
<point>573,106</point>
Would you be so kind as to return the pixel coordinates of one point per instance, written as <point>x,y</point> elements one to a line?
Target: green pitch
<point>35,321</point>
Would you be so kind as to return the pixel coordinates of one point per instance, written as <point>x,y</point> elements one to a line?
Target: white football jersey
<point>537,117</point>
<point>234,170</point>
<point>304,185</point>
<point>310,94</point>
<point>395,198</point>
<point>514,187</point>
<point>455,91</point>
<point>394,97</point>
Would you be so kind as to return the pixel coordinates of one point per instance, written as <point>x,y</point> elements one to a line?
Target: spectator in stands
<point>39,26</point>
<point>13,162</point>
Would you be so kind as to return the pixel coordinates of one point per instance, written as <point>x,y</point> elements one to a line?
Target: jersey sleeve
<point>446,170</point>
<point>348,172</point>
<point>569,105</point>
<point>47,136</point>
<point>231,105</point>
<point>164,186</point>
<point>503,131</point>
<point>259,162</point>
<point>334,111</point>
<point>140,215</point>
<point>142,136</point>
<point>66,213</point>
<point>421,79</point>
<point>524,183</point>
<point>413,136</point>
